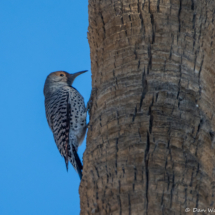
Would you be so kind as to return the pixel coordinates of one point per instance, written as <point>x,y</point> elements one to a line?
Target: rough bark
<point>150,145</point>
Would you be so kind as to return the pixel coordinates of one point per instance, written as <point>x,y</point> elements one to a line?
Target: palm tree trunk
<point>150,145</point>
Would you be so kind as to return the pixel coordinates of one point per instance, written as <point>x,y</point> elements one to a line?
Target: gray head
<point>58,79</point>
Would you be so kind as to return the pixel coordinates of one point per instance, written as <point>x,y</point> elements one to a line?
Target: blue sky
<point>38,37</point>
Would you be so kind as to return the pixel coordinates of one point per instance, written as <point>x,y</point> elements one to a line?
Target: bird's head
<point>58,79</point>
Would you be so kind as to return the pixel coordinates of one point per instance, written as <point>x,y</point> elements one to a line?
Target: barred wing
<point>58,110</point>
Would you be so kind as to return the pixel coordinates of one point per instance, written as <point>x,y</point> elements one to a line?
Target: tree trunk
<point>150,145</point>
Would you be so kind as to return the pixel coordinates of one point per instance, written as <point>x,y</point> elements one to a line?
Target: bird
<point>66,115</point>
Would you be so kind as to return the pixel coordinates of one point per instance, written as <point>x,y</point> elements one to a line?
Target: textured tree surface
<point>150,145</point>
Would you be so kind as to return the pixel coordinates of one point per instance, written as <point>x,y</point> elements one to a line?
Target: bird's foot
<point>90,102</point>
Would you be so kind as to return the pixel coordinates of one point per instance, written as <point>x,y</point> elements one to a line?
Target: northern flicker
<point>66,115</point>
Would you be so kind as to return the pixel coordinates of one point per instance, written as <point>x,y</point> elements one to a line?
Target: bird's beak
<point>74,75</point>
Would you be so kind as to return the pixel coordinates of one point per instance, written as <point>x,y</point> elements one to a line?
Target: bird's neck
<point>52,88</point>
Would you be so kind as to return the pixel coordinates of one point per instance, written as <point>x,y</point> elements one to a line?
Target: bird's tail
<point>78,162</point>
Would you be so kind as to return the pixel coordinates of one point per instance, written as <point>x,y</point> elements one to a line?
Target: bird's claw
<point>90,102</point>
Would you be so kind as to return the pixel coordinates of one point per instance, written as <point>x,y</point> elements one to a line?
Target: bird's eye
<point>61,75</point>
